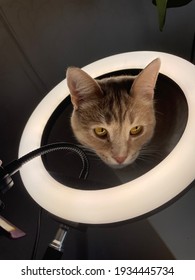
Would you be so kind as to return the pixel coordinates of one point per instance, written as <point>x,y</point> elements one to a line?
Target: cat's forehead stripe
<point>115,102</point>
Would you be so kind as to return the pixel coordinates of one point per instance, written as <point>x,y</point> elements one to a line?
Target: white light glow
<point>128,200</point>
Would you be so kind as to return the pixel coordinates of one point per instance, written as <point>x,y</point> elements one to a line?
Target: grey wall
<point>39,39</point>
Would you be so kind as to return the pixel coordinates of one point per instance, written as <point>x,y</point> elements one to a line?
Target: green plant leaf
<point>161,7</point>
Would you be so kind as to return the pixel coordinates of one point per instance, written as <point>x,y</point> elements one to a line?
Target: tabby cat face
<point>114,116</point>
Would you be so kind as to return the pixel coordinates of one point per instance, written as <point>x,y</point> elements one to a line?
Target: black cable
<point>44,150</point>
<point>15,165</point>
<point>6,172</point>
<point>37,234</point>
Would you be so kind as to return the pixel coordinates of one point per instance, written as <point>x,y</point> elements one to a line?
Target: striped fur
<point>116,104</point>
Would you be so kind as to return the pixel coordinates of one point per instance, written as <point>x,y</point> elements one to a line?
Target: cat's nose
<point>120,159</point>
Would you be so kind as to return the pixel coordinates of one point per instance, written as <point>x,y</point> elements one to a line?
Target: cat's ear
<point>82,87</point>
<point>144,83</point>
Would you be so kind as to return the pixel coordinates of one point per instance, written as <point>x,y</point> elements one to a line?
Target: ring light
<point>129,200</point>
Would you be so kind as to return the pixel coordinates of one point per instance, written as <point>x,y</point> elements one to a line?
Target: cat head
<point>114,116</point>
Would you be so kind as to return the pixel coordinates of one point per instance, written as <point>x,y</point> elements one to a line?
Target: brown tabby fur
<point>116,104</point>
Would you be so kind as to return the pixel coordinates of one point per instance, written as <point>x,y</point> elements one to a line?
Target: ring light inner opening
<point>171,116</point>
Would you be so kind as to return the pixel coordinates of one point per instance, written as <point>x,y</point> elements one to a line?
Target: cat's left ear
<point>144,83</point>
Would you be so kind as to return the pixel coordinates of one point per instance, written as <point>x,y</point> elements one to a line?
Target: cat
<point>115,116</point>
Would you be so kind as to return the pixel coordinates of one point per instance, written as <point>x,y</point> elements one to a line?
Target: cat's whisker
<point>150,154</point>
<point>95,158</point>
<point>109,113</point>
<point>92,155</point>
<point>159,113</point>
<point>150,149</point>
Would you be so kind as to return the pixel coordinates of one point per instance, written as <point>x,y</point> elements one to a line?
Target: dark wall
<point>39,39</point>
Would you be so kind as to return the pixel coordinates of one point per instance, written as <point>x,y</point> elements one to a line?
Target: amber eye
<point>100,131</point>
<point>136,130</point>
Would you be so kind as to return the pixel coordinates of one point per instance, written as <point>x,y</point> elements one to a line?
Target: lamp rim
<point>126,201</point>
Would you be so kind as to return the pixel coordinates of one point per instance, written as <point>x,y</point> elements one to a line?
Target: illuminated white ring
<point>128,200</point>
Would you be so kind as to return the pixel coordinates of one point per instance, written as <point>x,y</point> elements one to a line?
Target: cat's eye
<point>136,130</point>
<point>100,131</point>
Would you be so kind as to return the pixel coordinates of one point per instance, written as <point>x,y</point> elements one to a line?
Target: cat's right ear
<point>82,87</point>
<point>145,82</point>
